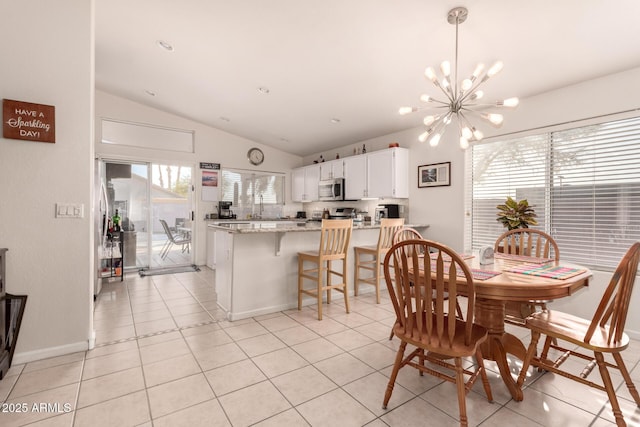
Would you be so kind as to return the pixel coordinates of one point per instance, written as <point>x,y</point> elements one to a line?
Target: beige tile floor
<point>165,356</point>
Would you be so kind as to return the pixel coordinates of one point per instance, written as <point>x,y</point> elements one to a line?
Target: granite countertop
<point>244,227</point>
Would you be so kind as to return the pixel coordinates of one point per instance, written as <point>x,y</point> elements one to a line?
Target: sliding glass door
<point>143,194</point>
<point>171,215</point>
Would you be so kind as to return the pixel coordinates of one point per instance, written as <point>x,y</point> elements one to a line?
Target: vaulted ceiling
<point>305,76</point>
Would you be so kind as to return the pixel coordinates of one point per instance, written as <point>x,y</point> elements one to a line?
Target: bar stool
<point>334,242</point>
<point>388,227</point>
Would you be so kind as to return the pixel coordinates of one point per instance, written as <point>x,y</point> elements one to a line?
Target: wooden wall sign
<point>27,121</point>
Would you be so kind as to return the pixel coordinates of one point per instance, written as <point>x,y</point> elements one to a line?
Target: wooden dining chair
<point>335,235</point>
<point>408,233</point>
<point>532,243</point>
<point>423,320</point>
<point>603,334</point>
<point>369,258</point>
<point>527,242</point>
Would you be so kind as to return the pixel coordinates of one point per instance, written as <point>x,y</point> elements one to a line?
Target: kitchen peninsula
<point>256,262</point>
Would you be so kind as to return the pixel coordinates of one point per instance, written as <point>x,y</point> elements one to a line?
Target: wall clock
<point>255,156</point>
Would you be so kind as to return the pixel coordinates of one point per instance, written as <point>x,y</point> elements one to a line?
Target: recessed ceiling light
<point>165,45</point>
<point>149,92</point>
<point>263,89</point>
<point>335,120</point>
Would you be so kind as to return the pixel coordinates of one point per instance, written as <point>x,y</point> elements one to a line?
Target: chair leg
<point>377,278</point>
<point>356,273</point>
<point>300,266</point>
<point>165,249</point>
<point>627,378</point>
<point>483,375</point>
<point>319,291</point>
<point>462,394</point>
<point>459,310</point>
<point>533,345</point>
<point>394,374</point>
<point>329,290</point>
<point>345,288</point>
<point>611,392</point>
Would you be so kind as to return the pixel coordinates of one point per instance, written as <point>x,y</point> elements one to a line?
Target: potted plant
<point>514,214</point>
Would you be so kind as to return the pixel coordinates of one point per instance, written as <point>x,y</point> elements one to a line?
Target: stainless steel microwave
<point>331,189</point>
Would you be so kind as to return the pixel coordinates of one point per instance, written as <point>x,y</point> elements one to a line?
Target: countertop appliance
<point>331,189</point>
<point>381,212</point>
<point>224,210</point>
<point>393,211</point>
<point>342,213</point>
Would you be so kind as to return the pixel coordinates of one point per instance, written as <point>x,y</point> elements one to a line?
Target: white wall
<point>211,145</point>
<point>47,58</point>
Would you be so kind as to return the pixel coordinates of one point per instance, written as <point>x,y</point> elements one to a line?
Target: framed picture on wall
<point>434,175</point>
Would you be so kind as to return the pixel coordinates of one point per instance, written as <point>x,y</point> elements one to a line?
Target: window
<point>584,183</point>
<point>252,192</point>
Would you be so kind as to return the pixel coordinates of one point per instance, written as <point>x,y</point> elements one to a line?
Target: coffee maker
<point>224,210</point>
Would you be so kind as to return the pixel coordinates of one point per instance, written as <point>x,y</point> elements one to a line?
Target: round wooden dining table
<point>493,294</point>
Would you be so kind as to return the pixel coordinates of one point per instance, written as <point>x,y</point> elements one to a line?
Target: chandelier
<point>462,100</point>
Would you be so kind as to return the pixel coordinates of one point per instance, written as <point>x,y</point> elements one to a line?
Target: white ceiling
<point>354,60</point>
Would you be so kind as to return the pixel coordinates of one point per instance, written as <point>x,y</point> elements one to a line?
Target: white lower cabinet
<point>224,267</point>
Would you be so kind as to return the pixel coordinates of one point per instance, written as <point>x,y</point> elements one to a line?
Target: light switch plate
<point>69,210</point>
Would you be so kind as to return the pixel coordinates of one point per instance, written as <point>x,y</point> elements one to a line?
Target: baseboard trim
<point>44,353</point>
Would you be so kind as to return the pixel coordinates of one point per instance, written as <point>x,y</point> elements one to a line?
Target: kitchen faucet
<point>261,205</point>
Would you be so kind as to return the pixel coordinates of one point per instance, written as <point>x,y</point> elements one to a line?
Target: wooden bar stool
<point>334,242</point>
<point>388,227</point>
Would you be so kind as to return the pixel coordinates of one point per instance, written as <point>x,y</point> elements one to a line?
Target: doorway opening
<point>147,196</point>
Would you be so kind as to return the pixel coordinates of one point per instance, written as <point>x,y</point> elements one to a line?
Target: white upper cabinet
<point>304,183</point>
<point>332,169</point>
<point>378,174</point>
<point>388,173</point>
<point>355,177</point>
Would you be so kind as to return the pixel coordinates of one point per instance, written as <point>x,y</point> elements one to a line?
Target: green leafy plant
<point>514,214</point>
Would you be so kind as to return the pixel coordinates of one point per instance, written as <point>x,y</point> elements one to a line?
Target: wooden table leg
<point>490,314</point>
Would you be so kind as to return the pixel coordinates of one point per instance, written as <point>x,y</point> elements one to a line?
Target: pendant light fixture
<point>462,99</point>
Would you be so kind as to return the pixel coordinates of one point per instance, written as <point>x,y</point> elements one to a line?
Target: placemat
<point>524,258</point>
<point>548,271</point>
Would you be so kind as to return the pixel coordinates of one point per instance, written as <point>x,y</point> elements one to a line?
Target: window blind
<point>584,183</point>
<point>245,188</point>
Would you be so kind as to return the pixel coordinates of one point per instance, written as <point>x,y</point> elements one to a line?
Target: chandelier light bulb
<point>476,95</point>
<point>445,67</point>
<point>406,110</point>
<point>423,136</point>
<point>509,102</point>
<point>435,140</point>
<point>428,121</point>
<point>466,133</point>
<point>464,143</point>
<point>477,135</point>
<point>431,74</point>
<point>479,69</point>
<point>494,119</point>
<point>466,84</point>
<point>425,98</point>
<point>495,69</point>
